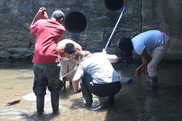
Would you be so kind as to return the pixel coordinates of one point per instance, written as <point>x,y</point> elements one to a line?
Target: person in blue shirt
<point>152,46</point>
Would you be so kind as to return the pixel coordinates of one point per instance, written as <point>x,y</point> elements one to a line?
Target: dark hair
<point>58,14</point>
<point>82,55</point>
<point>69,48</point>
<point>126,47</point>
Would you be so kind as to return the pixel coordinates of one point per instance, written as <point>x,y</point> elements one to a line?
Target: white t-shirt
<point>100,69</point>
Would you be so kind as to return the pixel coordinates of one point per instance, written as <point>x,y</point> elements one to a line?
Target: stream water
<point>133,103</point>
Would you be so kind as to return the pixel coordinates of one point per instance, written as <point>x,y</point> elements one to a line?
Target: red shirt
<point>48,33</point>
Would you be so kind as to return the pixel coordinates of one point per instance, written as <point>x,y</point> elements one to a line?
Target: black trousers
<point>100,90</point>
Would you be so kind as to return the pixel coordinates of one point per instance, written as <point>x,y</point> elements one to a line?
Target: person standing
<point>67,48</point>
<point>152,46</point>
<point>96,75</point>
<point>45,58</point>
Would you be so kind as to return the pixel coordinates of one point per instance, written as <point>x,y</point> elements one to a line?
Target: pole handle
<point>123,10</point>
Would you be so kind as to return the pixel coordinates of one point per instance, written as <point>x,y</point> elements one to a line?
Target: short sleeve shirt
<point>100,69</point>
<point>147,40</point>
<point>48,33</point>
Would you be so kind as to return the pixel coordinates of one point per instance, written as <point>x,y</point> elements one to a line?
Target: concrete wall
<point>165,15</point>
<point>16,16</point>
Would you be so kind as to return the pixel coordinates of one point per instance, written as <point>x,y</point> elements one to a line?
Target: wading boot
<point>152,86</point>
<point>63,89</point>
<point>55,101</point>
<point>147,77</point>
<point>40,105</point>
<point>153,82</point>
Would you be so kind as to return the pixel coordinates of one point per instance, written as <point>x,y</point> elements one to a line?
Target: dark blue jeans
<point>100,90</point>
<point>45,75</point>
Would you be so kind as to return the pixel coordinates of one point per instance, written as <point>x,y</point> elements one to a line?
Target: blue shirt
<point>147,40</point>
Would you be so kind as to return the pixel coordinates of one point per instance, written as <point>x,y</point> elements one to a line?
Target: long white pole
<point>115,27</point>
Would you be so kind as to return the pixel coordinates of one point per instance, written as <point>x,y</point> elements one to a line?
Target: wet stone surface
<point>133,103</point>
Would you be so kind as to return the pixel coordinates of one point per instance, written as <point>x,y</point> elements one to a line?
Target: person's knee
<point>40,92</point>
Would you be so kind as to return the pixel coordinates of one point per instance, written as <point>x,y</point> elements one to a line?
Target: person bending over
<point>152,46</point>
<point>67,49</point>
<point>96,75</point>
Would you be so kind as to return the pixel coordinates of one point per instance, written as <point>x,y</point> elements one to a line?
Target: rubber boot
<point>63,89</point>
<point>152,86</point>
<point>147,78</point>
<point>153,82</point>
<point>40,105</point>
<point>55,101</point>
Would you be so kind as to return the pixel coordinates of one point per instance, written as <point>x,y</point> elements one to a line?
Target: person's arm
<point>75,82</point>
<point>111,57</point>
<point>146,58</point>
<point>41,13</point>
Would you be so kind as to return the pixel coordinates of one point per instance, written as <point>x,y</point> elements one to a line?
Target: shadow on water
<point>136,103</point>
<point>130,101</point>
<point>21,115</point>
<point>13,113</point>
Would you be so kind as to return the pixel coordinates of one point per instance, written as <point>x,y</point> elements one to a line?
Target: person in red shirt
<point>67,48</point>
<point>46,72</point>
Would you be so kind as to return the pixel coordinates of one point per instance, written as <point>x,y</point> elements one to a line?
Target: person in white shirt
<point>96,75</point>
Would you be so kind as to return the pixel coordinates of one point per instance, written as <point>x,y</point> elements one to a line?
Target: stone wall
<point>165,15</point>
<point>95,24</point>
